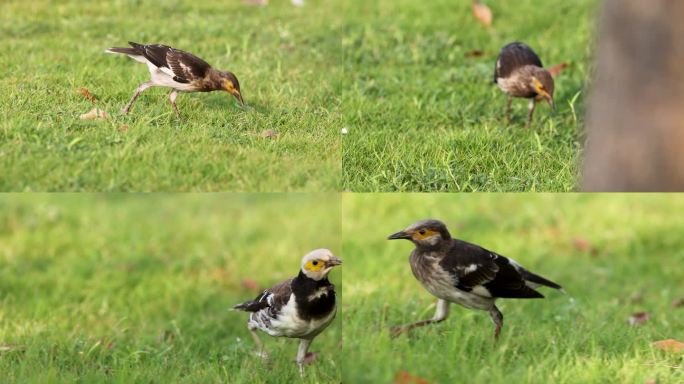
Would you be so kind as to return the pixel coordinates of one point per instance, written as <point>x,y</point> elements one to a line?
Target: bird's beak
<point>399,235</point>
<point>333,261</point>
<point>551,103</point>
<point>238,96</point>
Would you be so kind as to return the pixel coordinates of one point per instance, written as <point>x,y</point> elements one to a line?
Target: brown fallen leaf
<point>475,53</point>
<point>256,2</point>
<point>558,68</point>
<point>583,245</point>
<point>482,13</point>
<point>86,93</point>
<point>11,347</point>
<point>94,114</point>
<point>123,128</point>
<point>669,345</point>
<point>403,377</point>
<point>677,303</point>
<point>651,381</point>
<point>250,284</point>
<point>639,318</point>
<point>269,133</point>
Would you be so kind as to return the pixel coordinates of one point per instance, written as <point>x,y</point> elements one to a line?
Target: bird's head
<point>318,263</point>
<point>230,84</point>
<point>424,233</point>
<point>542,83</point>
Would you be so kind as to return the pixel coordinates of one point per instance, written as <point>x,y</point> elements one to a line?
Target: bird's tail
<point>250,306</point>
<point>138,49</point>
<point>125,51</point>
<point>531,277</point>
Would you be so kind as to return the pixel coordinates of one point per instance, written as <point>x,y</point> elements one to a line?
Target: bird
<point>179,70</point>
<point>300,307</point>
<point>456,271</point>
<point>520,73</point>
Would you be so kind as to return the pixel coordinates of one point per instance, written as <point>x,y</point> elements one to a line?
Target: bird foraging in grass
<point>463,273</point>
<point>181,71</point>
<point>520,73</point>
<point>301,307</point>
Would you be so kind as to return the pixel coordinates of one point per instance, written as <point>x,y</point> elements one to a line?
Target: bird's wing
<point>476,268</point>
<point>275,298</point>
<point>513,56</point>
<point>184,66</point>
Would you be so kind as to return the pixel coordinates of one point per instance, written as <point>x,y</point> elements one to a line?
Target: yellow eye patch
<point>424,235</point>
<point>314,265</point>
<point>228,85</point>
<point>539,87</point>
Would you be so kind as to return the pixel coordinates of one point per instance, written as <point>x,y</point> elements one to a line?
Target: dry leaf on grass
<point>482,13</point>
<point>677,303</point>
<point>123,128</point>
<point>583,245</point>
<point>669,345</point>
<point>639,318</point>
<point>475,53</point>
<point>403,377</point>
<point>94,114</point>
<point>11,347</point>
<point>89,96</point>
<point>269,133</point>
<point>558,68</point>
<point>256,2</point>
<point>250,284</point>
<point>651,381</point>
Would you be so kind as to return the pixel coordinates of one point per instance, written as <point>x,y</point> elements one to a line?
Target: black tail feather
<point>251,306</point>
<point>531,277</point>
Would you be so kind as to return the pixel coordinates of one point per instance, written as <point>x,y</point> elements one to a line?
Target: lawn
<point>423,113</point>
<point>286,58</point>
<point>137,288</point>
<point>615,255</point>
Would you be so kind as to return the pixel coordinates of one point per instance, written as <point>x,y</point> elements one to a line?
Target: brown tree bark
<point>635,122</point>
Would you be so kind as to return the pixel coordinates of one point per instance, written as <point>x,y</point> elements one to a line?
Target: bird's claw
<point>310,357</point>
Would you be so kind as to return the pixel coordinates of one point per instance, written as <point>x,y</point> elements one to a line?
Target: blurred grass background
<point>423,113</point>
<point>136,288</point>
<point>615,255</point>
<point>286,58</point>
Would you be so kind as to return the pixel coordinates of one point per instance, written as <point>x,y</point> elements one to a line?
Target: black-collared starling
<point>520,73</point>
<point>301,307</point>
<point>181,71</point>
<point>459,272</point>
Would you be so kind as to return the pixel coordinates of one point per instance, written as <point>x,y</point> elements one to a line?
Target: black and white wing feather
<point>476,268</point>
<point>184,66</point>
<point>514,56</point>
<point>271,300</point>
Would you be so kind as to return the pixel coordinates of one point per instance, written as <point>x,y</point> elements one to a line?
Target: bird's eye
<point>315,262</point>
<point>422,231</point>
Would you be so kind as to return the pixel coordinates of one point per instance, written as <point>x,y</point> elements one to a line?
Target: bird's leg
<point>497,317</point>
<point>441,313</point>
<point>530,113</point>
<point>260,346</point>
<point>303,355</point>
<point>172,99</point>
<point>137,93</point>
<point>508,108</point>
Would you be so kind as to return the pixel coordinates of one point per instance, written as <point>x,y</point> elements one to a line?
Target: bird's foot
<point>262,354</point>
<point>398,330</point>
<point>310,357</point>
<point>124,110</point>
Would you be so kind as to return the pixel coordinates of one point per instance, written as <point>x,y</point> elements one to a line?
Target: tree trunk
<point>635,122</point>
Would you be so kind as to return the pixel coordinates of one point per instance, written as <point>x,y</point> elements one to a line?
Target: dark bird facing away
<point>520,73</point>
<point>301,307</point>
<point>459,272</point>
<point>181,71</point>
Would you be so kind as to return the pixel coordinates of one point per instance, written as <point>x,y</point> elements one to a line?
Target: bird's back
<point>514,56</point>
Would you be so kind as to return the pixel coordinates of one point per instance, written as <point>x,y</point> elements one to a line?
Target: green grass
<point>136,288</point>
<point>287,60</point>
<point>424,116</point>
<point>579,338</point>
